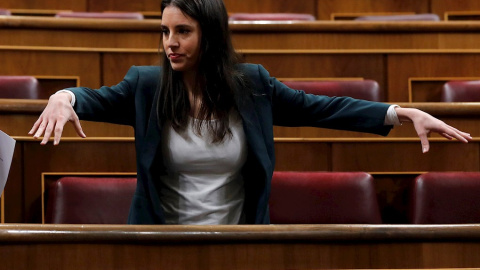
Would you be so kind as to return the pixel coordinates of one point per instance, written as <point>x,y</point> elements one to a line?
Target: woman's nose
<point>172,41</point>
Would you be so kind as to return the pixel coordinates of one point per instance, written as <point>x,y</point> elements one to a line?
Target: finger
<point>424,142</point>
<point>78,128</point>
<point>40,130</point>
<point>48,133</point>
<point>57,134</point>
<point>35,126</point>
<point>461,133</point>
<point>458,136</point>
<point>447,136</point>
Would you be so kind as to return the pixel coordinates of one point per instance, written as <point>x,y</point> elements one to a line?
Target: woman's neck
<point>194,94</point>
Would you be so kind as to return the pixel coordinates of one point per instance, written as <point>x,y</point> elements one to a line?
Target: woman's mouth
<point>174,56</point>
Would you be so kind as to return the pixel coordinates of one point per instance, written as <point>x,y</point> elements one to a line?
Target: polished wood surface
<point>271,6</point>
<point>67,32</point>
<point>396,71</point>
<point>23,189</point>
<point>322,9</point>
<point>393,54</point>
<point>239,247</point>
<point>325,8</point>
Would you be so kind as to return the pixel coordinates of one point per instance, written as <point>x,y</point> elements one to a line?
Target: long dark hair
<point>217,77</point>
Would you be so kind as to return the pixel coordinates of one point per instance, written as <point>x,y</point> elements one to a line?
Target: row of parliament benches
<point>321,9</point>
<point>394,161</point>
<point>34,246</point>
<point>410,61</point>
<point>400,57</point>
<point>297,197</point>
<point>28,87</point>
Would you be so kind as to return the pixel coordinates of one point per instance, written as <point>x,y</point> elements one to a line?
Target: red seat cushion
<point>446,198</point>
<point>19,87</point>
<point>90,200</point>
<point>361,89</point>
<point>410,17</point>
<point>5,12</point>
<point>461,91</point>
<point>323,198</point>
<point>101,15</point>
<point>271,17</point>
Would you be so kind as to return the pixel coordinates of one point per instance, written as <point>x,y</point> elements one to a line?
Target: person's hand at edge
<point>424,123</point>
<point>54,117</point>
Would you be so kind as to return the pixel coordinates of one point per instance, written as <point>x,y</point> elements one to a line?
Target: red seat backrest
<point>461,91</point>
<point>90,200</point>
<point>101,15</point>
<point>446,198</point>
<point>361,89</point>
<point>323,198</point>
<point>271,17</point>
<point>407,17</point>
<point>5,12</point>
<point>19,87</point>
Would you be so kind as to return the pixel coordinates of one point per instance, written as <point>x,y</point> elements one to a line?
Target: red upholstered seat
<point>19,87</point>
<point>323,198</point>
<point>5,12</point>
<point>90,200</point>
<point>446,198</point>
<point>101,15</point>
<point>361,89</point>
<point>411,17</point>
<point>271,17</point>
<point>461,91</point>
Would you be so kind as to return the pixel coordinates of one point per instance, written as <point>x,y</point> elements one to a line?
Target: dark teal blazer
<point>131,102</point>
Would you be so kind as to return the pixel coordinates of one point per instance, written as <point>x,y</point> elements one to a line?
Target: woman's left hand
<point>424,123</point>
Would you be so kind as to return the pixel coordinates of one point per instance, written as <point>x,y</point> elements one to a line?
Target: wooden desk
<point>145,34</point>
<point>239,247</point>
<point>111,148</point>
<point>394,54</point>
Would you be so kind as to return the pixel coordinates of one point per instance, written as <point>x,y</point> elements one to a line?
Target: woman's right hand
<point>54,117</point>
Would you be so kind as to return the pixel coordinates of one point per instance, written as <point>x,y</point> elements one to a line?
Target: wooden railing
<point>321,9</point>
<point>241,247</point>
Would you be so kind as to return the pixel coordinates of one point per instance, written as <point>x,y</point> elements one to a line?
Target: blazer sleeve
<point>296,108</point>
<point>115,104</point>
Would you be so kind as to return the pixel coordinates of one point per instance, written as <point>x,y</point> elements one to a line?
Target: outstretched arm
<point>424,123</point>
<point>54,117</point>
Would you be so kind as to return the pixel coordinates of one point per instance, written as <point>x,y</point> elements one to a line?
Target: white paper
<point>7,146</point>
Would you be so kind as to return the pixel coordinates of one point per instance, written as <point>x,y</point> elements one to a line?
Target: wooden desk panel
<point>326,7</point>
<point>71,156</point>
<point>239,247</point>
<point>389,157</point>
<point>401,67</point>
<point>78,5</point>
<point>271,6</point>
<point>86,33</point>
<point>393,70</point>
<point>440,7</point>
<point>131,6</point>
<point>318,64</point>
<point>145,34</point>
<point>405,156</point>
<point>113,151</point>
<point>36,61</point>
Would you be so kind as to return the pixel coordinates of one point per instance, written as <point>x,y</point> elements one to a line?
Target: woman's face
<point>181,39</point>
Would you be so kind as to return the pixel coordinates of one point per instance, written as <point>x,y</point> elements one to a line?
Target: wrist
<point>69,94</point>
<point>405,114</point>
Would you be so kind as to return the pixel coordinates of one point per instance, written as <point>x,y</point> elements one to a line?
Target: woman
<point>204,123</point>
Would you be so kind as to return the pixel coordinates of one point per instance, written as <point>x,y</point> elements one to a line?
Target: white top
<point>203,184</point>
